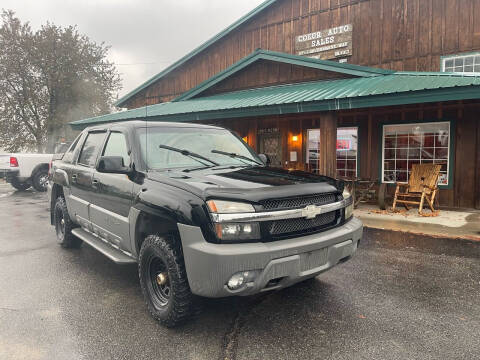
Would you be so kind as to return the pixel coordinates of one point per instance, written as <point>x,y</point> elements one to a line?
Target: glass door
<point>271,145</point>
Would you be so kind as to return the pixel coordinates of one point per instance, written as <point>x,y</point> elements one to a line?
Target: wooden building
<point>347,88</point>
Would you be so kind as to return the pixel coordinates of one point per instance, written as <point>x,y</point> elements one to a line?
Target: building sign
<point>326,44</point>
<point>268,131</point>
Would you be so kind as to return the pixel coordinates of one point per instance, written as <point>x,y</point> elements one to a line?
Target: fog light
<point>239,279</point>
<point>236,282</point>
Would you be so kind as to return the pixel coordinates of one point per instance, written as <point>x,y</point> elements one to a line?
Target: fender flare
<point>138,211</point>
<point>38,168</point>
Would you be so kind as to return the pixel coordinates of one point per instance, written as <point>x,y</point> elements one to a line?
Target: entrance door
<point>271,145</point>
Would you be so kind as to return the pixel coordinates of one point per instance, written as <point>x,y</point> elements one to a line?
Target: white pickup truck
<point>25,170</point>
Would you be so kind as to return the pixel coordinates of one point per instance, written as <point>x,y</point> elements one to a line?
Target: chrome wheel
<point>43,181</point>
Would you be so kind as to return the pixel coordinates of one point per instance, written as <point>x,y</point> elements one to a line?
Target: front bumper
<point>278,264</point>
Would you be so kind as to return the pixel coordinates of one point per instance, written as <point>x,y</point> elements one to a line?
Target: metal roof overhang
<point>213,108</point>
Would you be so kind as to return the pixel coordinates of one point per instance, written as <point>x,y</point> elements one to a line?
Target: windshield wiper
<point>189,153</point>
<point>236,156</point>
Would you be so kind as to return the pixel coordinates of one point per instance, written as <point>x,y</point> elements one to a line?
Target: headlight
<point>348,209</point>
<point>234,232</point>
<point>229,207</point>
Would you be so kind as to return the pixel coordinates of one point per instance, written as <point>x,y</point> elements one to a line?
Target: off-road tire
<point>181,304</point>
<point>40,180</point>
<point>20,186</point>
<point>64,230</point>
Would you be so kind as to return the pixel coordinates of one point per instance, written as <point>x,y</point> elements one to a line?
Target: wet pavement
<point>388,302</point>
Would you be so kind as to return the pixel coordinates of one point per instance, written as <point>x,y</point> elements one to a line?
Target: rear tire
<point>20,186</point>
<point>164,282</point>
<point>64,226</point>
<point>40,180</point>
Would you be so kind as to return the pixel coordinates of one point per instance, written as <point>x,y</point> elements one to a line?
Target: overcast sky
<point>146,35</point>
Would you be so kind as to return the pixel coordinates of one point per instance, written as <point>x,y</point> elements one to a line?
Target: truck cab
<point>200,212</point>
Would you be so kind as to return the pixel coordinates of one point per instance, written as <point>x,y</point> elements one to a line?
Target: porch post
<point>327,164</point>
<point>477,171</point>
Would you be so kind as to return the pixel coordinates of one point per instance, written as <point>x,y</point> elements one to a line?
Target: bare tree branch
<point>49,78</point>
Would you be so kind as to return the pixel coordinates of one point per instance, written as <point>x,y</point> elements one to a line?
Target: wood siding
<point>395,34</point>
<point>266,73</point>
<point>463,192</point>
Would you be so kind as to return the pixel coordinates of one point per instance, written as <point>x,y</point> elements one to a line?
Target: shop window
<point>408,144</point>
<point>347,151</point>
<point>468,63</point>
<point>313,146</point>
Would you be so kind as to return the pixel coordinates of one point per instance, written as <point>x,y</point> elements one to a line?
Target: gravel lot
<point>389,302</point>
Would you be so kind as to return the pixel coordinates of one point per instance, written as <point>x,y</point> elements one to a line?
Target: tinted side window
<point>74,145</point>
<point>117,146</point>
<point>90,149</point>
<point>68,156</point>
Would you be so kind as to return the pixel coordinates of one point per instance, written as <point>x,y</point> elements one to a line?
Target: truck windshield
<point>211,144</point>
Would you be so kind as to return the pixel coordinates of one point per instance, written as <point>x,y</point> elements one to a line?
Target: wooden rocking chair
<point>422,185</point>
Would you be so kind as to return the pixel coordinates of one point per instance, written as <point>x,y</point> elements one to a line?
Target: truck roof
<point>143,124</point>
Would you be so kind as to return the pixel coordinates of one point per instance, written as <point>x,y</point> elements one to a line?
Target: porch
<point>448,224</point>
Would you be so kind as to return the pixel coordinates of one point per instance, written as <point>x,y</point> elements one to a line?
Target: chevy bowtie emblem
<point>311,211</point>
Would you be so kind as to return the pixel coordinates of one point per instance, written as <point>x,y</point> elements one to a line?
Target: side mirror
<point>112,165</point>
<point>265,159</point>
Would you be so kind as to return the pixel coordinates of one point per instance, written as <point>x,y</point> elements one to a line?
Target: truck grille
<point>297,202</point>
<point>290,226</point>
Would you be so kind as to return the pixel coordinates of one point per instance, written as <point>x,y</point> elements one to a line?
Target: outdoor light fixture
<point>294,138</point>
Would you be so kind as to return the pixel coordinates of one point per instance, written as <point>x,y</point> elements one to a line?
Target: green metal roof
<point>196,51</point>
<point>396,88</point>
<point>348,69</point>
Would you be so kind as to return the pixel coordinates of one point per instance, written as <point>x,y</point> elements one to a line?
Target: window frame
<point>105,143</point>
<point>357,168</point>
<point>74,145</point>
<point>83,144</point>
<point>445,58</point>
<point>451,148</point>
<point>307,131</point>
<point>357,158</point>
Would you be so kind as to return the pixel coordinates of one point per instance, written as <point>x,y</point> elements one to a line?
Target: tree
<point>48,78</point>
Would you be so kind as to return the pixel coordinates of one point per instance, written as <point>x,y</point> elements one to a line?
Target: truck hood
<point>251,184</point>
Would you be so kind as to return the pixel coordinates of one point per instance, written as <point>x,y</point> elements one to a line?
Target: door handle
<point>74,178</point>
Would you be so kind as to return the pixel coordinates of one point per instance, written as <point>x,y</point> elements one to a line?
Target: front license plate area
<point>313,259</point>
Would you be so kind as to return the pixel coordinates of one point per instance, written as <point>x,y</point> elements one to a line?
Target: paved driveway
<point>386,303</point>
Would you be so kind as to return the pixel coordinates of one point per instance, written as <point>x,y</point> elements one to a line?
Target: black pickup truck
<point>199,211</point>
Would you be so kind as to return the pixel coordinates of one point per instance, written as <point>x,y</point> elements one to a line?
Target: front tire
<point>164,282</point>
<point>40,180</point>
<point>20,186</point>
<point>64,226</point>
